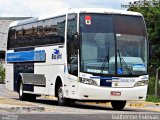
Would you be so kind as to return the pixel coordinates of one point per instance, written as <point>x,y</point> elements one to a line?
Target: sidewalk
<point>9,102</point>
<point>16,106</point>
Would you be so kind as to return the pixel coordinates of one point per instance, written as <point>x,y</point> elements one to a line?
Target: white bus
<point>79,55</point>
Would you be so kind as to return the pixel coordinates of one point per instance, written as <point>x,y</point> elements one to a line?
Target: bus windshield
<point>113,44</point>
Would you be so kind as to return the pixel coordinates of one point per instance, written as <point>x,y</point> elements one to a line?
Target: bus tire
<point>20,91</point>
<point>61,100</point>
<point>24,96</point>
<point>70,101</point>
<point>118,105</point>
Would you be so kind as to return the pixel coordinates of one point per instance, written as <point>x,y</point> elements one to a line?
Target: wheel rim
<point>60,95</point>
<point>21,90</point>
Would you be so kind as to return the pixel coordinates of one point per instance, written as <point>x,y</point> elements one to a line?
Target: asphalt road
<point>80,117</point>
<point>78,111</point>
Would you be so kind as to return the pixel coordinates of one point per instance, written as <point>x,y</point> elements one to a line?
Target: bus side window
<point>72,45</point>
<point>11,38</point>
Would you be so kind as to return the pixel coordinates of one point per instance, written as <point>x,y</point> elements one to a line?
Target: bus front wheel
<point>61,100</point>
<point>118,105</point>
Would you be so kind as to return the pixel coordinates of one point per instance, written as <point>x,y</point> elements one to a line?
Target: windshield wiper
<point>123,63</point>
<point>104,62</point>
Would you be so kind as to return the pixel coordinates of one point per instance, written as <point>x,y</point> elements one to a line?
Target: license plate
<point>115,93</point>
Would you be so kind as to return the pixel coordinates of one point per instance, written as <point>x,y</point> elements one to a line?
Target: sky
<point>32,8</point>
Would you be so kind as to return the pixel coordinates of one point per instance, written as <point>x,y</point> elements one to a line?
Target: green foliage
<point>151,86</point>
<point>2,74</point>
<point>151,15</point>
<point>152,98</point>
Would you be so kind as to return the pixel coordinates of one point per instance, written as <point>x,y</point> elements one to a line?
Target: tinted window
<point>130,25</point>
<point>113,44</point>
<point>54,30</point>
<point>97,43</point>
<point>40,29</point>
<point>45,32</point>
<point>11,37</point>
<point>27,36</point>
<point>98,23</point>
<point>72,44</point>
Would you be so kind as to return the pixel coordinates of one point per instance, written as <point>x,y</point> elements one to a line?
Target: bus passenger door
<point>72,54</point>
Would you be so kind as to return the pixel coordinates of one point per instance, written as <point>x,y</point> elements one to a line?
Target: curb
<point>142,104</point>
<point>20,109</point>
<point>135,104</point>
<point>158,103</point>
<point>127,104</point>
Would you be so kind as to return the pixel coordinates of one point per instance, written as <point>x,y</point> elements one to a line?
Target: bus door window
<point>72,45</point>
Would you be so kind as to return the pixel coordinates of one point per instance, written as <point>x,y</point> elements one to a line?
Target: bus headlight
<point>88,81</point>
<point>141,83</point>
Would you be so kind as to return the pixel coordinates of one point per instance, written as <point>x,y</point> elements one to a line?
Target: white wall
<point>4,24</point>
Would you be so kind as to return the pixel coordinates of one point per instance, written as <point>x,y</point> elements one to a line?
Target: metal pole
<point>156,82</point>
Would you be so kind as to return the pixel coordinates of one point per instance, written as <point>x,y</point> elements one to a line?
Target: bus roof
<point>73,10</point>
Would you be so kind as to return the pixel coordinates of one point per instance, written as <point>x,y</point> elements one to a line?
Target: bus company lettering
<point>56,54</point>
<point>126,80</point>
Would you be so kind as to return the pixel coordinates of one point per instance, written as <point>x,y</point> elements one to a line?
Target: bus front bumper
<point>90,92</point>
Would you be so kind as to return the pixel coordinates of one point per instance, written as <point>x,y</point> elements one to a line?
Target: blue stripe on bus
<point>26,56</point>
<point>104,83</point>
<point>106,78</point>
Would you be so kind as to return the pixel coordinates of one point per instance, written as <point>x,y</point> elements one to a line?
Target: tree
<point>2,74</point>
<point>151,13</point>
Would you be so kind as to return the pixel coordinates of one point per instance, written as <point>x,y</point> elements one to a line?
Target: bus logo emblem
<point>56,54</point>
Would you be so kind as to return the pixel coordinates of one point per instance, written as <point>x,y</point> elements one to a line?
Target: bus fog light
<point>88,81</point>
<point>141,83</point>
